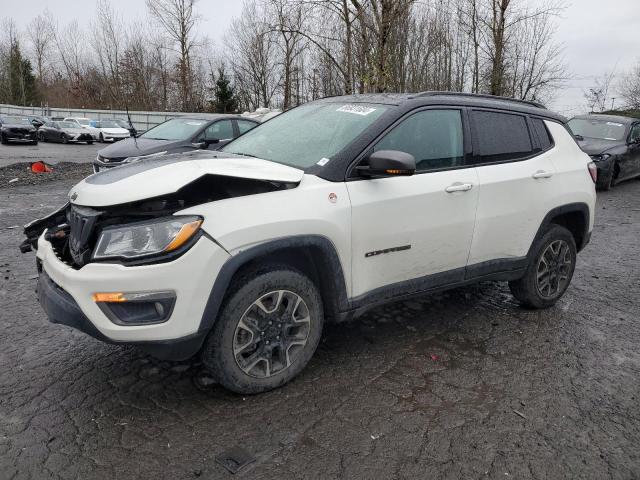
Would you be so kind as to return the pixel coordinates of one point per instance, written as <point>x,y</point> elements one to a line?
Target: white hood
<point>163,175</point>
<point>115,131</point>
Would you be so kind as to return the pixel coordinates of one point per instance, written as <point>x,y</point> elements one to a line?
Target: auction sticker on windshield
<point>357,109</point>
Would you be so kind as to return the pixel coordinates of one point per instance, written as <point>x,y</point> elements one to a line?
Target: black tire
<point>101,138</point>
<point>35,142</point>
<point>90,142</point>
<point>527,289</point>
<point>240,304</point>
<point>42,137</point>
<point>3,140</point>
<point>610,182</point>
<point>64,138</point>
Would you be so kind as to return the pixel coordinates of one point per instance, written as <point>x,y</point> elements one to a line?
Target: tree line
<point>281,53</point>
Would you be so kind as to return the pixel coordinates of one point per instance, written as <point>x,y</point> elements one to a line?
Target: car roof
<point>208,116</point>
<point>607,118</point>
<point>449,98</point>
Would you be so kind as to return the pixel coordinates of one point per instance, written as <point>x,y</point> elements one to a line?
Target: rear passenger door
<point>513,156</point>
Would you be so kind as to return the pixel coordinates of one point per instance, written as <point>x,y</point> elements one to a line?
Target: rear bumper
<point>62,309</point>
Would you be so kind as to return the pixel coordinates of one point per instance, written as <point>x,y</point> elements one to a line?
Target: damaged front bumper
<point>68,296</point>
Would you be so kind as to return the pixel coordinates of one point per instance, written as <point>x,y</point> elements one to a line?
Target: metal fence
<point>141,120</point>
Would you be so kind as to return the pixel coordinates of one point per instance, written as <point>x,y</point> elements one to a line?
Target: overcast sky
<point>598,36</point>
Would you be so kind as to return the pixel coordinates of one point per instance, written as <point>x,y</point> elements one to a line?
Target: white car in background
<point>110,130</point>
<point>84,123</point>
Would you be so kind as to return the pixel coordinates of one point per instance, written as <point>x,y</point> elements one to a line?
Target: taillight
<point>593,171</point>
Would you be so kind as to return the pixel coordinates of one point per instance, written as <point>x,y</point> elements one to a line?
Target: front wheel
<point>267,331</point>
<point>550,269</point>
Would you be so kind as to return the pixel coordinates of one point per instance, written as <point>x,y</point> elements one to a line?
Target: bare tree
<point>597,95</point>
<point>40,35</point>
<point>178,19</point>
<point>630,88</point>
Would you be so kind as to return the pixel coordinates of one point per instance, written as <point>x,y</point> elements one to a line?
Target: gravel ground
<point>48,152</point>
<point>464,384</point>
<point>19,174</point>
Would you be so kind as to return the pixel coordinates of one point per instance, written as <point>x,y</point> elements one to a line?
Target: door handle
<point>541,174</point>
<point>459,187</point>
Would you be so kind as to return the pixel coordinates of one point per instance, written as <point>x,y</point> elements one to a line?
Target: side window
<point>540,130</point>
<point>500,136</point>
<point>433,137</point>
<point>221,130</point>
<point>635,133</point>
<point>245,126</point>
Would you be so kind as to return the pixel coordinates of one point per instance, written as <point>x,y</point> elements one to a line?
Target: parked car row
<point>31,129</point>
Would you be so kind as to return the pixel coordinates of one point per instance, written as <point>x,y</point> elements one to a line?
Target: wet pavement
<point>464,384</point>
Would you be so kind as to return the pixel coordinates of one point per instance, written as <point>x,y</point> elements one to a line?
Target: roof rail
<point>479,95</point>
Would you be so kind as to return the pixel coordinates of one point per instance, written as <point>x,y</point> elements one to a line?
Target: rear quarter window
<point>540,130</point>
<point>500,136</point>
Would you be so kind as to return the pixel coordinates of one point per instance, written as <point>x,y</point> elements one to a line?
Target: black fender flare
<point>578,207</point>
<point>329,270</point>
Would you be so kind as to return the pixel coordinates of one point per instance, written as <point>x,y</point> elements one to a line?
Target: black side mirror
<point>580,138</point>
<point>389,163</point>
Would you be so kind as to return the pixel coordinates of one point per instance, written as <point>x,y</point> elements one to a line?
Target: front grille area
<point>82,225</point>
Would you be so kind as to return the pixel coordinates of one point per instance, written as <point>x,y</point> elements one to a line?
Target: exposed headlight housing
<point>148,238</point>
<point>143,157</point>
<point>600,158</point>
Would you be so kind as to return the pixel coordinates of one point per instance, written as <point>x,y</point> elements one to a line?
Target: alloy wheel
<point>272,334</point>
<point>554,268</point>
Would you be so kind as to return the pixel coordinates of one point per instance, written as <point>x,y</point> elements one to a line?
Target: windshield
<point>308,134</point>
<point>84,121</point>
<point>108,124</point>
<point>175,129</point>
<point>16,120</point>
<point>600,129</point>
<point>67,125</point>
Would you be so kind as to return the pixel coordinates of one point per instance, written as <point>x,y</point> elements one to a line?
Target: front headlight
<point>147,238</point>
<point>142,157</point>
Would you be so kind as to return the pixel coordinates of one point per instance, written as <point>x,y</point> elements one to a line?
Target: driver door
<point>414,232</point>
<point>218,134</point>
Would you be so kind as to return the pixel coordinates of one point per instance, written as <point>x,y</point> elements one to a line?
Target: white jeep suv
<point>336,206</point>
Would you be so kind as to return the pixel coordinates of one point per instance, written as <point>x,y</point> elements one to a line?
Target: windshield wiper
<point>244,154</point>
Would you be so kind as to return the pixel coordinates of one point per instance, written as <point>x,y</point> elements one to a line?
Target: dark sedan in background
<point>63,132</point>
<point>17,129</point>
<point>613,142</point>
<point>177,135</point>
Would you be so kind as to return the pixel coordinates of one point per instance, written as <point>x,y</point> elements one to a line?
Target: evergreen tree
<point>225,100</point>
<point>19,82</point>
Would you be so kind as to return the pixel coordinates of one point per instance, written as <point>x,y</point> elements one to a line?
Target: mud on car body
<point>240,255</point>
<point>613,142</point>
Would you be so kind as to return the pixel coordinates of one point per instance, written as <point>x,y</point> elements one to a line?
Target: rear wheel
<point>65,139</point>
<point>41,137</point>
<point>267,330</point>
<point>550,270</point>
